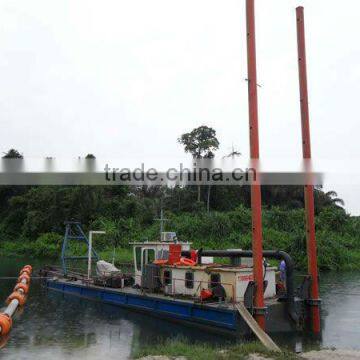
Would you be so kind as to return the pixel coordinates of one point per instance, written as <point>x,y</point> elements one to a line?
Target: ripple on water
<point>54,326</point>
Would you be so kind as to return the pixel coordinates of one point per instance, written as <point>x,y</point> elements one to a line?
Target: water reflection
<point>341,311</point>
<point>57,326</point>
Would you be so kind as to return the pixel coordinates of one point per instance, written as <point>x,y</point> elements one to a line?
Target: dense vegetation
<point>31,219</point>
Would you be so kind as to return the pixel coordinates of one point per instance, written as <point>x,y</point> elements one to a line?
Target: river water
<point>56,326</point>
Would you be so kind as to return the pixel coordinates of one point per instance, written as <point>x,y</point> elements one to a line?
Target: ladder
<point>256,329</point>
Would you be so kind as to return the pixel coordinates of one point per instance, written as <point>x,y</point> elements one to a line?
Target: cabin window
<point>215,280</point>
<point>167,277</point>
<point>189,280</point>
<point>148,256</point>
<point>138,258</point>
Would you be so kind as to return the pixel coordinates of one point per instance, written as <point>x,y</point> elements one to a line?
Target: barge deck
<point>219,316</point>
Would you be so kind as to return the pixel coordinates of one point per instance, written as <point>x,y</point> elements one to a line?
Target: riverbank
<point>172,349</point>
<point>183,350</point>
<point>312,355</point>
<point>124,255</point>
<point>337,235</point>
<point>51,251</point>
<point>32,220</point>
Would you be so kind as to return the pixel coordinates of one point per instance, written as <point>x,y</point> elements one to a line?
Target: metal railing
<point>191,292</point>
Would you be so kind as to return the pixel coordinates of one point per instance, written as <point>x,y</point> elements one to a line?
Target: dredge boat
<point>171,280</point>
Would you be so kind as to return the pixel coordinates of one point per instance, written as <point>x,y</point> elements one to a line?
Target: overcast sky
<point>126,78</point>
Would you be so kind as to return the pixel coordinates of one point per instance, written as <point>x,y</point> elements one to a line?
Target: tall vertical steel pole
<point>254,154</point>
<point>89,255</point>
<point>309,189</point>
<point>90,250</point>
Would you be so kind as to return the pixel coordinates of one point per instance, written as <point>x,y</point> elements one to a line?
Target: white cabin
<point>146,252</point>
<point>188,281</point>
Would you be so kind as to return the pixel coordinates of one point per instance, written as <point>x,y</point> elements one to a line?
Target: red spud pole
<point>309,189</point>
<point>257,246</point>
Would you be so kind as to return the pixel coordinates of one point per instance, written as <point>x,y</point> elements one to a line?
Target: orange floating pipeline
<point>17,298</point>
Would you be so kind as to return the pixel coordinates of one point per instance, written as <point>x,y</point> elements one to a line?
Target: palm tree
<point>13,154</point>
<point>325,199</point>
<point>333,198</point>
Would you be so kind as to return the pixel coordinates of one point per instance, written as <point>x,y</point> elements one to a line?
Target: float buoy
<point>22,286</point>
<point>5,324</point>
<point>205,294</point>
<point>25,272</point>
<point>29,267</point>
<point>24,277</point>
<point>160,262</point>
<point>16,295</point>
<point>186,262</point>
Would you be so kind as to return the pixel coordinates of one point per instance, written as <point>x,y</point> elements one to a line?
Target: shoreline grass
<point>204,351</point>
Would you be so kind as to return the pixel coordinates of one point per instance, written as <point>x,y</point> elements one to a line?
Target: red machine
<point>174,254</point>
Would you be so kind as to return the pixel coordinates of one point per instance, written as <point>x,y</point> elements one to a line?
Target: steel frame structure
<point>74,231</point>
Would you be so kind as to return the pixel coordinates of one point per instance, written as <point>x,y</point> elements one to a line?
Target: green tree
<point>90,156</point>
<point>13,154</point>
<point>200,143</point>
<point>326,199</point>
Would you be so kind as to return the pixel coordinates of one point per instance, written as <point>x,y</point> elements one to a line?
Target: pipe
<point>257,246</point>
<point>272,254</point>
<point>308,189</point>
<point>16,299</point>
<point>10,310</point>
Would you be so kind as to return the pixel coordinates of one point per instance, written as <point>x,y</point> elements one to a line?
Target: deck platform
<point>219,317</point>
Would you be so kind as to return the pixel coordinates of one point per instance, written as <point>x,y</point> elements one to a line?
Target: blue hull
<point>187,312</point>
